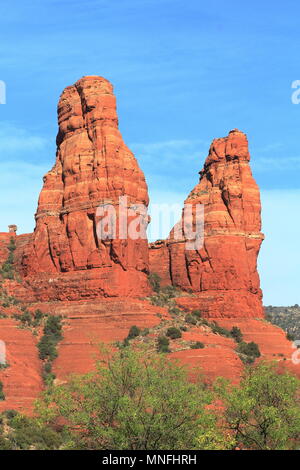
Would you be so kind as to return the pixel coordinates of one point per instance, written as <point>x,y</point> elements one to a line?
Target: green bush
<point>26,433</point>
<point>250,350</point>
<point>47,348</point>
<point>154,280</point>
<point>2,396</point>
<point>163,344</point>
<point>53,327</point>
<point>169,291</point>
<point>197,313</point>
<point>7,269</point>
<point>133,332</point>
<point>52,335</point>
<point>290,336</point>
<point>219,330</point>
<point>145,332</point>
<point>174,310</point>
<point>173,333</point>
<point>25,318</point>
<point>236,334</point>
<point>191,319</point>
<point>198,345</point>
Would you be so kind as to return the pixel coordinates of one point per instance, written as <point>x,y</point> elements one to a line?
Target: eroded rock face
<point>93,169</point>
<point>222,272</point>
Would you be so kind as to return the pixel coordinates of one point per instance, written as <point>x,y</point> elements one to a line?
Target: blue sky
<point>184,73</point>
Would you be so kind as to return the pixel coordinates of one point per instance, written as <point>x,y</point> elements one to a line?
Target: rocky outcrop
<point>222,270</point>
<point>66,259</point>
<point>22,379</point>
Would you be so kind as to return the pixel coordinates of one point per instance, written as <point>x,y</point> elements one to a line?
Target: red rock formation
<point>22,381</point>
<point>223,272</point>
<point>65,258</point>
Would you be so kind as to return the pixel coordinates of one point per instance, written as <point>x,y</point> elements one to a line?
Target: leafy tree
<point>132,402</point>
<point>23,433</point>
<point>263,411</point>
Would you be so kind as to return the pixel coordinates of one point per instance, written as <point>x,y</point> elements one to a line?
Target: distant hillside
<point>288,318</point>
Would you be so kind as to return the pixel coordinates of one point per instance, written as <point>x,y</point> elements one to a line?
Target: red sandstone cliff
<point>65,259</point>
<point>223,272</point>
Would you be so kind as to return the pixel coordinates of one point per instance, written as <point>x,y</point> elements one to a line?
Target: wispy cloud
<point>264,164</point>
<point>15,140</point>
<point>163,162</point>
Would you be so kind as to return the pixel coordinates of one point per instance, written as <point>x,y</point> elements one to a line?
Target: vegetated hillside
<point>288,318</point>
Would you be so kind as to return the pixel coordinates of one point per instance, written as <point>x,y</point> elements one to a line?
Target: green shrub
<point>133,332</point>
<point>173,333</point>
<point>10,414</point>
<point>52,335</point>
<point>47,348</point>
<point>53,327</point>
<point>169,291</point>
<point>290,336</point>
<point>174,310</point>
<point>163,344</point>
<point>145,332</point>
<point>219,330</point>
<point>197,345</point>
<point>191,319</point>
<point>7,269</point>
<point>236,334</point>
<point>154,280</point>
<point>250,350</point>
<point>25,318</point>
<point>196,313</point>
<point>2,396</point>
<point>38,316</point>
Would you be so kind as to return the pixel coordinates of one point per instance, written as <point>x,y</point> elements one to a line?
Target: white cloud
<point>264,164</point>
<point>14,139</point>
<point>169,152</point>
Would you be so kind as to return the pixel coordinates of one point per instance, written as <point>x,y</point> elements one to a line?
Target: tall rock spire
<point>223,272</point>
<point>93,168</point>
